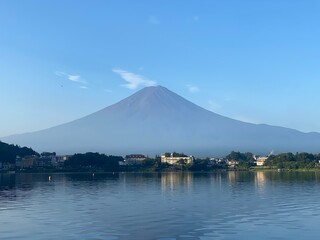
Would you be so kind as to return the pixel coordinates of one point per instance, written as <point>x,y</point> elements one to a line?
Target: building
<point>26,162</point>
<point>173,158</point>
<point>61,159</point>
<point>260,161</point>
<point>217,161</point>
<point>232,163</point>
<point>43,162</point>
<point>46,159</point>
<point>134,159</point>
<point>7,165</point>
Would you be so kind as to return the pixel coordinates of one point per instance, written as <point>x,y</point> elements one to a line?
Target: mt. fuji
<point>156,120</point>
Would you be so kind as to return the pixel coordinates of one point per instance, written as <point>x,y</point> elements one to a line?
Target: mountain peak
<point>154,99</point>
<point>153,89</point>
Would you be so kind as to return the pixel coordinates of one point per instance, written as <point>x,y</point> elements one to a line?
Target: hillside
<point>8,152</point>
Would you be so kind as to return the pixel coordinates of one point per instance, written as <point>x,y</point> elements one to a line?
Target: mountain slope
<point>155,120</point>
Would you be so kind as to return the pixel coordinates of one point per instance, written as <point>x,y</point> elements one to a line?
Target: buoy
<point>49,178</point>
<point>92,174</point>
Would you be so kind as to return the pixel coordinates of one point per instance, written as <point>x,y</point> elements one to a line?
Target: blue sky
<point>257,61</point>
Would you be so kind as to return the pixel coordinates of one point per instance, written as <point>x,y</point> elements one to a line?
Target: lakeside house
<point>232,163</point>
<point>46,159</point>
<point>260,161</point>
<point>6,165</point>
<point>174,158</point>
<point>214,160</point>
<point>60,160</point>
<point>26,162</point>
<point>134,159</point>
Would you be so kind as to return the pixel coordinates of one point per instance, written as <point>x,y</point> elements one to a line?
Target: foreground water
<point>230,205</point>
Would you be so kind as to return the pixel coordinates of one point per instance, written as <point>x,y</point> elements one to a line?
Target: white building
<point>171,159</point>
<point>261,160</point>
<point>232,163</point>
<point>135,159</point>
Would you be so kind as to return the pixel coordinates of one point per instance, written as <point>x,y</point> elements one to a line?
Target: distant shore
<point>54,171</point>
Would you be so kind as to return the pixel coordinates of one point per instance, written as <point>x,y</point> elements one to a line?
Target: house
<point>26,162</point>
<point>61,159</point>
<point>232,163</point>
<point>260,160</point>
<point>6,165</point>
<point>174,158</point>
<point>217,161</point>
<point>43,162</point>
<point>134,159</point>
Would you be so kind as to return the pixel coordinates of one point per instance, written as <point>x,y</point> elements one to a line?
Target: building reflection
<point>232,177</point>
<point>260,180</point>
<point>171,181</point>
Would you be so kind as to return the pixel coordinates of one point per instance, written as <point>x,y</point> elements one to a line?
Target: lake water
<point>228,205</point>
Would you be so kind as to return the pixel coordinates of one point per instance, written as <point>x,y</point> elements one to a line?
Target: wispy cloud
<point>192,88</point>
<point>134,80</point>
<point>83,87</point>
<point>74,78</point>
<point>154,20</point>
<point>70,77</point>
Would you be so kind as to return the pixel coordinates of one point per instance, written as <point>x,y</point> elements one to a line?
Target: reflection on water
<point>171,181</point>
<point>260,180</point>
<point>226,205</point>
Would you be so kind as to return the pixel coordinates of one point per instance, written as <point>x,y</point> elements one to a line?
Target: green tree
<point>94,160</point>
<point>9,152</point>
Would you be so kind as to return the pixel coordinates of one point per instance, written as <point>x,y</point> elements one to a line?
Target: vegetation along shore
<point>14,158</point>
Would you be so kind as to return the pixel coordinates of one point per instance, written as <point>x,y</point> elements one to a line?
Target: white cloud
<point>83,87</point>
<point>134,80</point>
<point>153,20</point>
<point>73,78</point>
<point>192,88</point>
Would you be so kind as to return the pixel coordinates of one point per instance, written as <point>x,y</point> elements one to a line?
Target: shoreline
<point>157,172</point>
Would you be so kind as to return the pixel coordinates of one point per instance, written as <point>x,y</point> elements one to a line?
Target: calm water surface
<point>230,205</point>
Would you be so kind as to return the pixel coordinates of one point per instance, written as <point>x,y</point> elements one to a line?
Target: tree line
<point>96,161</point>
<point>9,152</point>
<point>93,161</point>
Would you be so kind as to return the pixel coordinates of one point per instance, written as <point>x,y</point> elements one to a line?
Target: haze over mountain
<point>156,120</point>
